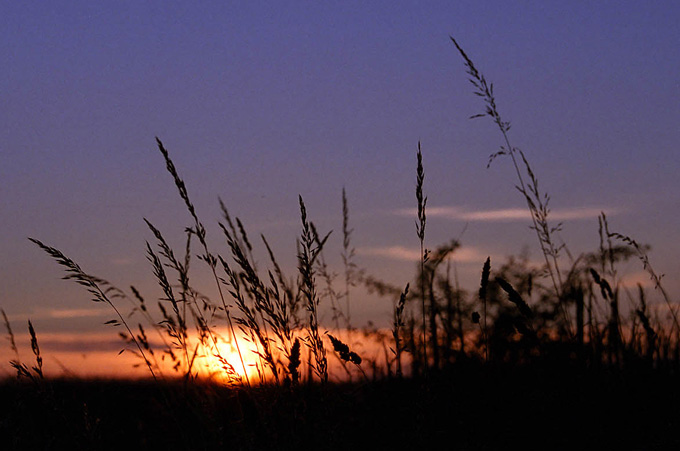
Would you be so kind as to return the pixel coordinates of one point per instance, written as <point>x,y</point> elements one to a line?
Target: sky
<point>259,102</point>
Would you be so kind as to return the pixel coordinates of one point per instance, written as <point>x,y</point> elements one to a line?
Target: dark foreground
<point>470,408</point>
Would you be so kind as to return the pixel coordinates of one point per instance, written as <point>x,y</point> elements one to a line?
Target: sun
<point>223,363</point>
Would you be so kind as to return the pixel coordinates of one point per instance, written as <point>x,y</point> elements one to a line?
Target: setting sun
<point>224,365</point>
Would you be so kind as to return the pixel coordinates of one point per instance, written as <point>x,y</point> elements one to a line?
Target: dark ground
<point>470,408</point>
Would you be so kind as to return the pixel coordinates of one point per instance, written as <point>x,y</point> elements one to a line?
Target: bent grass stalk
<point>642,255</point>
<point>74,272</point>
<point>536,203</point>
<point>210,259</point>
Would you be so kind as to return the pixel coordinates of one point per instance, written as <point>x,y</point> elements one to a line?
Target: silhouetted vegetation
<point>563,355</point>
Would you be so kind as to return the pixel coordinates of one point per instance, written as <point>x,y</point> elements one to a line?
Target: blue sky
<point>261,101</point>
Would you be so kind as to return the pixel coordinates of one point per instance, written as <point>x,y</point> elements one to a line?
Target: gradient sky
<point>258,102</point>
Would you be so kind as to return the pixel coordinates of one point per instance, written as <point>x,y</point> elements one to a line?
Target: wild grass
<point>398,325</point>
<point>537,200</point>
<point>274,314</point>
<point>35,373</point>
<point>420,230</point>
<point>533,319</point>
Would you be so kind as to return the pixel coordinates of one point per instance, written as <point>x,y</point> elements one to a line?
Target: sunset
<point>270,213</point>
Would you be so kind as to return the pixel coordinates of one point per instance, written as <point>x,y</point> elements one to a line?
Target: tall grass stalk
<point>310,246</point>
<point>286,302</point>
<point>36,351</point>
<point>434,260</point>
<point>483,285</point>
<point>398,325</point>
<point>176,326</point>
<point>420,231</point>
<point>255,319</point>
<point>347,258</point>
<point>537,202</point>
<point>209,258</point>
<point>10,335</point>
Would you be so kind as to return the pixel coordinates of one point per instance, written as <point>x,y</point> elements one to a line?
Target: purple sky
<point>261,102</point>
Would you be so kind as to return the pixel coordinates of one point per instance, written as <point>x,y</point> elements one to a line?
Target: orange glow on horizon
<point>97,355</point>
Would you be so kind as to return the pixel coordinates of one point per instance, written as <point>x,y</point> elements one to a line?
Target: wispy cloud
<point>637,278</point>
<point>76,313</point>
<point>43,313</point>
<point>508,214</point>
<point>467,254</point>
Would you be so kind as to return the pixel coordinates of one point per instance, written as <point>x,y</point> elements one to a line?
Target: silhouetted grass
<point>553,359</point>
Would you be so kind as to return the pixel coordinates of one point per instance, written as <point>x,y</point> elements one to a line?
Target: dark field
<point>472,407</point>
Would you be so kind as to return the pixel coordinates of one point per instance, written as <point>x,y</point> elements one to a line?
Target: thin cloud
<point>42,313</point>
<point>637,278</point>
<point>76,313</point>
<point>78,342</point>
<point>80,346</point>
<point>467,254</point>
<point>391,252</point>
<point>509,214</point>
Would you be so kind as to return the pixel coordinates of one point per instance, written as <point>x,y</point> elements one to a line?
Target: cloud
<point>78,345</point>
<point>392,252</point>
<point>508,214</point>
<point>76,313</point>
<point>44,313</point>
<point>74,341</point>
<point>467,254</point>
<point>632,280</point>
